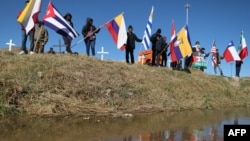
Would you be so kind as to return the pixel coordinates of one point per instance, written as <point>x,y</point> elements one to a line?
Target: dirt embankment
<point>52,85</point>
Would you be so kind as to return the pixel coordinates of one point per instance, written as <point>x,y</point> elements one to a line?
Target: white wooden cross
<point>102,53</point>
<point>10,44</point>
<point>141,58</point>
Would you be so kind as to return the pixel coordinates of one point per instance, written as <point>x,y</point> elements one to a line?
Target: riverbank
<point>58,85</point>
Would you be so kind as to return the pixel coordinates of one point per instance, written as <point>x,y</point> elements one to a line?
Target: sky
<point>208,20</point>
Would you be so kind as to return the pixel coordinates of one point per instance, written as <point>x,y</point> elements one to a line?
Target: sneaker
<point>31,52</point>
<point>22,52</point>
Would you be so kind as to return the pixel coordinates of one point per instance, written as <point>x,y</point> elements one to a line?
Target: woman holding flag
<point>88,32</point>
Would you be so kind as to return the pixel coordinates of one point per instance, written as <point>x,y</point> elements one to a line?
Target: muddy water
<point>202,125</point>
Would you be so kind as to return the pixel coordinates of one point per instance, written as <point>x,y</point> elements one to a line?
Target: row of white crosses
<point>102,52</point>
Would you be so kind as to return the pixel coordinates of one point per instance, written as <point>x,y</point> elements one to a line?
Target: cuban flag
<point>54,20</point>
<point>148,31</point>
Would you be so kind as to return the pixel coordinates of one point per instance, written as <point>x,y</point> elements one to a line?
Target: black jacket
<point>131,40</point>
<point>86,29</point>
<point>153,40</point>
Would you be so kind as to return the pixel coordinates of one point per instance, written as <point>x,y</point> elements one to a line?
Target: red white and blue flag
<point>213,51</point>
<point>54,20</point>
<point>213,48</point>
<point>230,54</point>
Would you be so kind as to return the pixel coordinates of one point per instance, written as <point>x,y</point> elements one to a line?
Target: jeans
<point>90,44</point>
<point>131,53</point>
<point>215,69</point>
<point>24,40</point>
<point>238,71</point>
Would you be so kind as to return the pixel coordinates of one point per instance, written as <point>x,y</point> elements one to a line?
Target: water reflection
<point>195,125</point>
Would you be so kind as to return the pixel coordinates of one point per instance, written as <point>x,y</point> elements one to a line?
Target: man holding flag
<point>28,17</point>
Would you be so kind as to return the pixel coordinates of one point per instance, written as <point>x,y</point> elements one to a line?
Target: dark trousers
<point>24,40</point>
<point>164,58</point>
<point>67,43</point>
<point>188,62</point>
<point>158,58</point>
<point>131,53</point>
<point>238,71</point>
<point>153,56</point>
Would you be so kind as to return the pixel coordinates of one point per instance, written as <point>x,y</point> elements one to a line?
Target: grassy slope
<point>77,84</point>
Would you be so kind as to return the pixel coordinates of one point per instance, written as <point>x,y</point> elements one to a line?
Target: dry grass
<point>76,84</point>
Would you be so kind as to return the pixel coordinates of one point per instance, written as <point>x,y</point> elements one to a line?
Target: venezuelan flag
<point>117,29</point>
<point>29,15</point>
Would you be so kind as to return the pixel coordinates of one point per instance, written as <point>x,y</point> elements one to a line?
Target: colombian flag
<point>29,15</point>
<point>182,46</point>
<point>117,29</point>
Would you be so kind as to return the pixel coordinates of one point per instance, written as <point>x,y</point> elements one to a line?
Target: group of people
<point>39,36</point>
<point>159,47</point>
<point>216,57</point>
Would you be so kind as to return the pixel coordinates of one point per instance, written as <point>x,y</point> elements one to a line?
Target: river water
<point>197,125</point>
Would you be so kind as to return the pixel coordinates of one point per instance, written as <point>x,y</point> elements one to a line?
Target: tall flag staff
<point>187,6</point>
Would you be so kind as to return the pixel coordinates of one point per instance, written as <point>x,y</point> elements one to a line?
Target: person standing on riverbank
<point>216,61</point>
<point>130,45</point>
<point>89,33</point>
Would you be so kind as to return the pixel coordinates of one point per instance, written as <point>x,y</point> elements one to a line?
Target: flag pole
<point>231,68</point>
<point>86,37</point>
<point>94,31</point>
<point>39,34</point>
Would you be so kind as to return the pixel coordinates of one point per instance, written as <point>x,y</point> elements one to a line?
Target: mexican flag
<point>242,49</point>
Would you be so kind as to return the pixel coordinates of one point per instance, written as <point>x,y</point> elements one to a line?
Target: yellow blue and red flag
<point>181,46</point>
<point>117,30</point>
